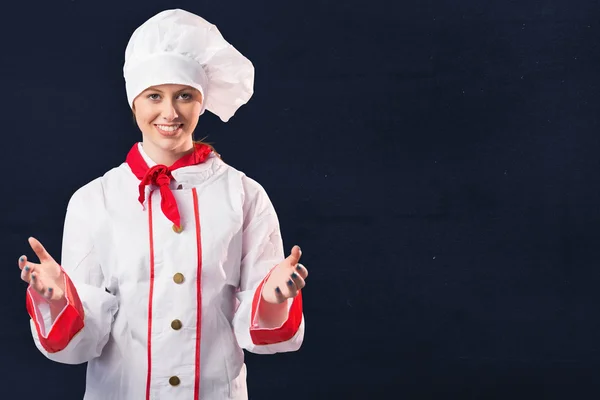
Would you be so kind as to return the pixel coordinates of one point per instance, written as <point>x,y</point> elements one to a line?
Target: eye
<point>186,96</point>
<point>154,96</point>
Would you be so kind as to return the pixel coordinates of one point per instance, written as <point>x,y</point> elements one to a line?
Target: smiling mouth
<point>168,130</point>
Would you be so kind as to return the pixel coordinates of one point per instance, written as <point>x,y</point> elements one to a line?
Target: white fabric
<point>106,246</point>
<point>178,47</point>
<point>43,313</point>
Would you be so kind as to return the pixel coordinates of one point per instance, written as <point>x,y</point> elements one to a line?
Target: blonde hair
<point>201,141</point>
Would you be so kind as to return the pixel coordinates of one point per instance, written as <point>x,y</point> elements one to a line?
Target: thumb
<point>295,255</point>
<point>39,250</point>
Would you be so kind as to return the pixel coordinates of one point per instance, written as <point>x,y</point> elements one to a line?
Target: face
<point>167,116</point>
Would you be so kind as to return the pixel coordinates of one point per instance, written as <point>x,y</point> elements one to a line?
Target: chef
<point>172,262</point>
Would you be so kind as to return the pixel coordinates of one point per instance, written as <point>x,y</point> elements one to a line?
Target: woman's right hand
<point>47,277</point>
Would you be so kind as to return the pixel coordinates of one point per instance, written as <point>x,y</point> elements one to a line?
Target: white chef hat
<point>178,47</point>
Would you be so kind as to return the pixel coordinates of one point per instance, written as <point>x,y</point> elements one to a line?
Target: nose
<point>169,113</point>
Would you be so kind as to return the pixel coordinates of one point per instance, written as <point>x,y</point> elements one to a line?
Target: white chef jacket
<point>159,314</point>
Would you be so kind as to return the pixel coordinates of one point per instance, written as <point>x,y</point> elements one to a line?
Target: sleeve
<point>262,249</point>
<point>77,333</point>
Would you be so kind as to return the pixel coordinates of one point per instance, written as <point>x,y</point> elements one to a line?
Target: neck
<point>164,156</point>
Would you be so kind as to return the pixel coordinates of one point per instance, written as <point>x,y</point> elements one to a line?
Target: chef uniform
<point>164,266</point>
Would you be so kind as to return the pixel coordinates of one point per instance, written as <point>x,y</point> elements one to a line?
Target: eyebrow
<point>152,89</point>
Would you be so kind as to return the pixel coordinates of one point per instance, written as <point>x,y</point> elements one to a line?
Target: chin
<point>171,142</point>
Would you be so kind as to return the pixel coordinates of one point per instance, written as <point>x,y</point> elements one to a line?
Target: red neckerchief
<point>160,175</point>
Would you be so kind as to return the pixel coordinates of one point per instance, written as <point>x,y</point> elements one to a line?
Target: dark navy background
<point>436,160</point>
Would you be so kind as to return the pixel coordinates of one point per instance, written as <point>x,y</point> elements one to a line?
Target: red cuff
<point>264,336</point>
<point>67,324</point>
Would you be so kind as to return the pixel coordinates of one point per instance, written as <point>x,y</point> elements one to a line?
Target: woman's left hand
<point>286,279</point>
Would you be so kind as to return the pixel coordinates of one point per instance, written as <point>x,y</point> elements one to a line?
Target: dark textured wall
<point>437,161</point>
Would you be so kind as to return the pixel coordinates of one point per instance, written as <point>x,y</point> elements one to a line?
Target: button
<point>176,324</point>
<point>174,381</point>
<point>178,278</point>
<point>177,229</point>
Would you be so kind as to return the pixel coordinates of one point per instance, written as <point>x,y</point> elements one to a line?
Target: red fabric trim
<point>265,336</point>
<point>199,296</point>
<point>151,236</point>
<point>67,324</point>
<point>160,175</point>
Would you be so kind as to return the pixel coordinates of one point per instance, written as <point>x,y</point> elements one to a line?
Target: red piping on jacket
<point>148,379</point>
<point>199,295</point>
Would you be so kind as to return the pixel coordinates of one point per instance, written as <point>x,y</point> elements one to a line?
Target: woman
<point>172,262</point>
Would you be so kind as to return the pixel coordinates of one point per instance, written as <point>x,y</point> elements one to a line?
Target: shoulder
<point>91,196</point>
<point>249,187</point>
<point>255,200</point>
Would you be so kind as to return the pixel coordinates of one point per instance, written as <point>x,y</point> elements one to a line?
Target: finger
<point>302,271</point>
<point>279,295</point>
<point>39,250</point>
<point>295,255</point>
<point>26,272</point>
<point>22,262</point>
<point>53,293</point>
<point>36,283</point>
<point>290,288</point>
<point>298,281</point>
<point>40,287</point>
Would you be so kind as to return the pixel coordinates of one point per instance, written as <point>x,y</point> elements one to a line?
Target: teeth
<point>168,128</point>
